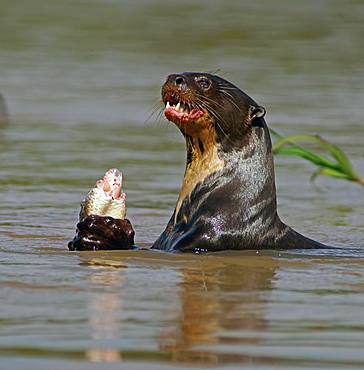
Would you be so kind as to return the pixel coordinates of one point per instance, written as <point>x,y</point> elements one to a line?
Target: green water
<point>80,80</point>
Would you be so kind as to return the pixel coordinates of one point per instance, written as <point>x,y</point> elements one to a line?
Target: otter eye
<point>204,83</point>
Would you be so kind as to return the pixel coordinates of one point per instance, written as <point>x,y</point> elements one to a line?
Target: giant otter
<point>228,195</point>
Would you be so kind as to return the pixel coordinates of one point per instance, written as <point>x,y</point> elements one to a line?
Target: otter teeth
<point>180,107</point>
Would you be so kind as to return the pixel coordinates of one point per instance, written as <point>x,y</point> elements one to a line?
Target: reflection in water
<point>222,303</point>
<point>218,309</point>
<point>220,306</point>
<point>104,307</point>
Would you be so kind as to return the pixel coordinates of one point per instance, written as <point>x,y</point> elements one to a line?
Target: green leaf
<point>303,153</point>
<point>340,156</point>
<point>339,166</point>
<point>329,172</point>
<point>292,139</point>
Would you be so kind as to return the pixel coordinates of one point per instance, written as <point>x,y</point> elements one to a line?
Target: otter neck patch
<point>202,161</point>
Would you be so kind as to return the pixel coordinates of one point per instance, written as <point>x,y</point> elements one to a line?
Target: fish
<point>106,198</point>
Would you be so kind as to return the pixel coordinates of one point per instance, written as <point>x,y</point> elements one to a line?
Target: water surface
<point>80,81</point>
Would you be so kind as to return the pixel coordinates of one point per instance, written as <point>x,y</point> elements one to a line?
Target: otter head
<point>202,104</point>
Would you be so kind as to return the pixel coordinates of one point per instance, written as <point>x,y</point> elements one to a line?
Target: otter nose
<point>179,80</point>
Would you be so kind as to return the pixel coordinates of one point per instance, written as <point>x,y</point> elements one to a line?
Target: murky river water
<point>80,80</point>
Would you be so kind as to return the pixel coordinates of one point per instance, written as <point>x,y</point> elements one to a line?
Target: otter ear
<point>257,112</point>
<point>255,115</point>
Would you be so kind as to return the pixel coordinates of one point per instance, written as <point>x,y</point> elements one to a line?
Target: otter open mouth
<point>181,112</point>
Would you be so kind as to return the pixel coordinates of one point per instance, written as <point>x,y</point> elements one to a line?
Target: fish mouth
<point>181,111</point>
<point>111,184</point>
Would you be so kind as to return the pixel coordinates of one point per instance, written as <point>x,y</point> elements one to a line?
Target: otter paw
<point>103,233</point>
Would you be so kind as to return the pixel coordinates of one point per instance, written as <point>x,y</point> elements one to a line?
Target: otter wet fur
<point>228,196</point>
